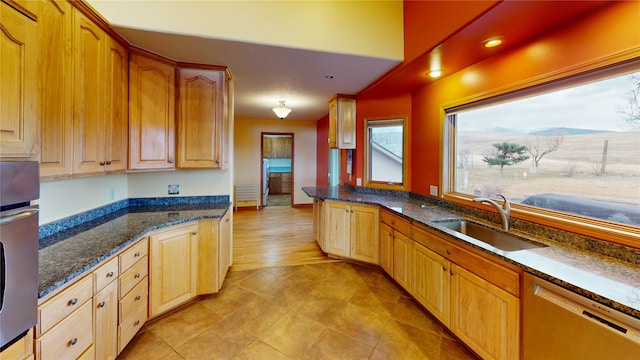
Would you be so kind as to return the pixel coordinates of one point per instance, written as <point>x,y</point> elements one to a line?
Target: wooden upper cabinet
<point>342,122</point>
<point>56,139</point>
<point>19,103</point>
<point>117,106</point>
<point>202,123</point>
<point>277,147</point>
<point>151,114</point>
<point>89,47</point>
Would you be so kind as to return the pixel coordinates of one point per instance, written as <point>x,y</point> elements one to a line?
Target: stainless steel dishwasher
<point>560,324</point>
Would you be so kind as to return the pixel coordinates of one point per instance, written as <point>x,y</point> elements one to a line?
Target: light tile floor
<point>332,310</point>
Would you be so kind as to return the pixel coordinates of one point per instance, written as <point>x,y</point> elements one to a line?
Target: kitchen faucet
<point>504,211</point>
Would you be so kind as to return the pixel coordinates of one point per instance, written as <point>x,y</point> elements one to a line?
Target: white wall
<point>247,159</point>
<point>192,183</point>
<point>62,198</point>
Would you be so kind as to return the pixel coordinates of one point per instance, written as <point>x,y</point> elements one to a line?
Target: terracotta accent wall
<point>578,47</point>
<point>322,162</point>
<point>390,106</point>
<point>423,31</point>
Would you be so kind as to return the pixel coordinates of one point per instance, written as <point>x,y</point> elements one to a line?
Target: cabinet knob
<point>451,272</point>
<point>448,252</point>
<point>137,254</point>
<point>444,268</point>
<point>393,222</point>
<point>110,274</point>
<point>137,276</point>
<point>217,161</point>
<point>101,305</point>
<point>73,301</point>
<point>73,341</point>
<point>102,163</point>
<point>136,323</point>
<point>137,298</point>
<point>171,161</point>
<point>194,233</point>
<point>109,162</point>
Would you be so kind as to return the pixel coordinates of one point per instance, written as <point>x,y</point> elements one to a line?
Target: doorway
<point>277,169</point>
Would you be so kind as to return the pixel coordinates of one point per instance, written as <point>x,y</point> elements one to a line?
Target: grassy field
<point>575,168</point>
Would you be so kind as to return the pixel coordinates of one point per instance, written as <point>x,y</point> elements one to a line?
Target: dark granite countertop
<point>67,254</point>
<point>596,276</point>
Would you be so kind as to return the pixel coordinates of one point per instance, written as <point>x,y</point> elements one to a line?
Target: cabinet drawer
<point>130,326</point>
<point>485,268</point>
<point>130,278</point>
<point>397,223</point>
<point>134,299</point>
<point>106,274</point>
<point>133,254</point>
<point>63,304</point>
<point>70,338</point>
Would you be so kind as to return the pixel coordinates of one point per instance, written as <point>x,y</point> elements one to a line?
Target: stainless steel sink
<point>493,237</point>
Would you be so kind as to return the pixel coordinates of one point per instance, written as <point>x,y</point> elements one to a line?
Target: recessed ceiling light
<point>492,42</point>
<point>435,73</point>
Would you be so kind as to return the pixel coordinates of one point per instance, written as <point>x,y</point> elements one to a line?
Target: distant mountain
<point>504,130</point>
<point>565,131</point>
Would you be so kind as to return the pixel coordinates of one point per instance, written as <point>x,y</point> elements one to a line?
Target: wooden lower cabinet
<point>174,268</point>
<point>402,260</point>
<point>483,316</point>
<point>21,349</point>
<point>70,337</point>
<point>105,313</point>
<point>351,231</point>
<point>431,283</point>
<point>318,222</point>
<point>386,248</point>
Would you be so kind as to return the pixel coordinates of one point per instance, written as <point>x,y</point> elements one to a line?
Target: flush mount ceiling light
<point>492,42</point>
<point>281,111</point>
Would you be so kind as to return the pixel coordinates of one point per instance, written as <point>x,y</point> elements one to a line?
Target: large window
<point>573,152</point>
<point>385,153</point>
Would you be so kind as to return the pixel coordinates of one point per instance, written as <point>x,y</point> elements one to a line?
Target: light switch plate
<point>358,181</point>
<point>433,190</point>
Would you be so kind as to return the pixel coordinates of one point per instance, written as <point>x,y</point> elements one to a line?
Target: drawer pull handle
<point>136,323</point>
<point>73,341</point>
<point>101,305</point>
<point>137,254</point>
<point>110,274</point>
<point>137,276</point>
<point>73,301</point>
<point>137,298</point>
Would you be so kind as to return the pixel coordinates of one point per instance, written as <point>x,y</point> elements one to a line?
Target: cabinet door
<point>116,118</point>
<point>151,114</point>
<point>386,248</point>
<point>318,222</point>
<point>88,95</point>
<point>402,266</point>
<point>483,316</point>
<point>173,268</point>
<point>337,233</point>
<point>431,285</point>
<point>364,233</point>
<point>342,122</point>
<point>56,140</point>
<point>105,313</point>
<point>224,248</point>
<point>19,103</point>
<point>200,118</point>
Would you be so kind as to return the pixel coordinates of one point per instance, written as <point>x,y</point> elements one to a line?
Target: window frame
<point>616,233</point>
<point>404,185</point>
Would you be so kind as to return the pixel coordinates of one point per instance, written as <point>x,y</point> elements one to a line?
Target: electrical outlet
<point>358,181</point>
<point>433,190</point>
<point>173,189</point>
<point>112,194</point>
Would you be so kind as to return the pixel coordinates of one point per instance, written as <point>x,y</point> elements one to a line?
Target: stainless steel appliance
<point>559,324</point>
<point>19,185</point>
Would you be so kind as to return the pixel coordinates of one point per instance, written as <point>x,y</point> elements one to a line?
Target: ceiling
<point>306,78</point>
